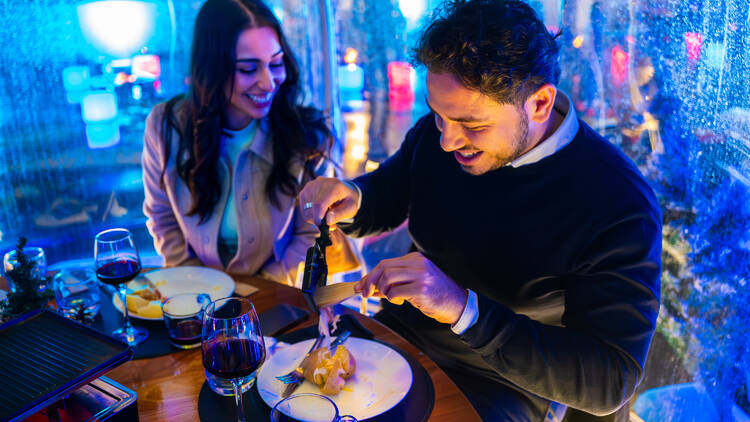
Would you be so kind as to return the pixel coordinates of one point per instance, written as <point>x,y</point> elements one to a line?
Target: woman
<point>222,164</point>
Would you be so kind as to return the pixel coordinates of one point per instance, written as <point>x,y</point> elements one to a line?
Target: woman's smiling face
<point>259,71</point>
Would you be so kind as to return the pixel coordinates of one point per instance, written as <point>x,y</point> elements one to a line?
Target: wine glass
<point>117,262</point>
<point>232,344</point>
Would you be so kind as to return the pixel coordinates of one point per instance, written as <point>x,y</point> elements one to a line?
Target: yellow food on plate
<point>148,294</point>
<point>135,302</point>
<point>152,310</point>
<point>144,303</point>
<point>329,372</point>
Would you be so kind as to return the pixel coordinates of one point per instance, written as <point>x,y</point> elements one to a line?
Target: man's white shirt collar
<point>561,137</point>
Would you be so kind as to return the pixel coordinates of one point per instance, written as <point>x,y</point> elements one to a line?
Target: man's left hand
<point>416,279</point>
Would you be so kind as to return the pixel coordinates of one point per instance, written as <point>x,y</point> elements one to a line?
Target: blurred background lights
<point>619,68</point>
<point>359,152</point>
<point>412,9</point>
<point>99,110</point>
<point>350,57</point>
<point>146,66</point>
<point>117,28</point>
<point>371,166</point>
<point>715,54</point>
<point>693,42</point>
<point>117,63</point>
<point>99,106</point>
<point>76,81</point>
<point>351,81</point>
<point>102,135</point>
<point>279,12</point>
<point>121,78</point>
<point>356,148</point>
<point>76,78</point>
<point>578,41</point>
<point>401,78</point>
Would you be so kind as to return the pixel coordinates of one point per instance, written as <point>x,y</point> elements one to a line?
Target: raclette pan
<point>44,356</point>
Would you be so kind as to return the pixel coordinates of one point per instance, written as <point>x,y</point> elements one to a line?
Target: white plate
<point>176,280</point>
<point>381,380</point>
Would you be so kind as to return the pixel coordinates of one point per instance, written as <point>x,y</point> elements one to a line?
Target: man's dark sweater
<point>564,255</point>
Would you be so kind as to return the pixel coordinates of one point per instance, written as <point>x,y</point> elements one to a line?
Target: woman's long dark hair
<point>198,116</point>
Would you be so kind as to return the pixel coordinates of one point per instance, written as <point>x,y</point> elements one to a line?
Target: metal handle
<point>341,338</point>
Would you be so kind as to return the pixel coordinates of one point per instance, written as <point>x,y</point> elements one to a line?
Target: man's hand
<point>327,194</point>
<point>415,279</point>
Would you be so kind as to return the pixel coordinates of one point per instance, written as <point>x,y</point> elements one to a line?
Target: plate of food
<point>146,292</point>
<point>364,378</point>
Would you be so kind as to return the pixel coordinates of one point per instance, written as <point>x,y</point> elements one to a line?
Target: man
<point>535,273</point>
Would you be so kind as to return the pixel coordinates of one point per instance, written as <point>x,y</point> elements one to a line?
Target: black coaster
<point>416,406</point>
<point>157,344</point>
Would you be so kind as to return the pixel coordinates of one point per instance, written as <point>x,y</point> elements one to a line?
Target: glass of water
<point>77,289</point>
<point>183,316</point>
<point>308,407</point>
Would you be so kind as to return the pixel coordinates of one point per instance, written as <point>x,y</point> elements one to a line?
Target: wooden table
<point>168,386</point>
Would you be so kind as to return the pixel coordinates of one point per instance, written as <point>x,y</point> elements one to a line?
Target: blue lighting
<point>682,402</point>
<point>117,28</point>
<point>715,54</point>
<point>102,135</point>
<point>412,9</point>
<point>99,106</point>
<point>279,12</point>
<point>76,78</point>
<point>76,82</point>
<point>99,110</point>
<point>351,85</point>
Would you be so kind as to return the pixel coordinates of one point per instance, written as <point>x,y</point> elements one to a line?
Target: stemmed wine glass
<point>117,262</point>
<point>232,344</point>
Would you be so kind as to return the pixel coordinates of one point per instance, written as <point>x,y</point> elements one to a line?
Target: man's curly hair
<point>500,48</point>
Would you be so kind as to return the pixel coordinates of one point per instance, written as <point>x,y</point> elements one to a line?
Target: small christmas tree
<point>28,295</point>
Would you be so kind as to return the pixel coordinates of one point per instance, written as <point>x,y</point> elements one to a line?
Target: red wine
<point>232,358</point>
<point>187,332</point>
<point>118,272</point>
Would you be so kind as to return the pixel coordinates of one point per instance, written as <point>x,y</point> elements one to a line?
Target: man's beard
<point>520,142</point>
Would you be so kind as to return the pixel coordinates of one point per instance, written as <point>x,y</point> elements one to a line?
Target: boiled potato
<point>329,372</point>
